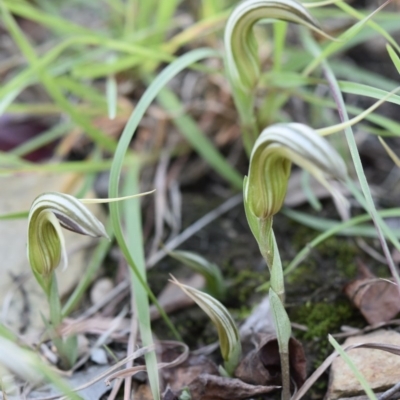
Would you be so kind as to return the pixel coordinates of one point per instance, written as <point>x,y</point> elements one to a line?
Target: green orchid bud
<point>49,212</point>
<point>270,162</point>
<point>242,60</point>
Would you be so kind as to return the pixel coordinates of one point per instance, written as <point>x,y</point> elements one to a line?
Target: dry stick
<point>115,323</point>
<point>368,328</point>
<point>389,393</point>
<point>138,353</point>
<point>175,198</point>
<point>194,228</point>
<point>131,346</point>
<point>128,372</point>
<point>363,245</point>
<point>107,298</point>
<point>115,390</point>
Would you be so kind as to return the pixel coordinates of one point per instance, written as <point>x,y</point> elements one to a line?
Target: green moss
<point>244,285</point>
<point>322,318</point>
<point>344,252</point>
<point>333,260</point>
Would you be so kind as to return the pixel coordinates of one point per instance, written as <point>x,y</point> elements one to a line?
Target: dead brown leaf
<point>262,366</point>
<point>212,387</point>
<point>201,376</point>
<point>378,300</point>
<point>181,376</point>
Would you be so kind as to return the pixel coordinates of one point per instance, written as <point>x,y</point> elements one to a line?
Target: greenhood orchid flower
<point>270,163</point>
<point>264,193</point>
<point>46,251</point>
<point>49,212</point>
<point>242,60</point>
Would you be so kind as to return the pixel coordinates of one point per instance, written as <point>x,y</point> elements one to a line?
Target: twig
<point>131,346</point>
<point>389,393</point>
<point>107,298</point>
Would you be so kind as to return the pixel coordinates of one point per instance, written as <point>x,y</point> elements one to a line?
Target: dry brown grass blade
<point>138,353</point>
<point>328,361</point>
<point>353,332</point>
<point>390,152</point>
<point>127,372</point>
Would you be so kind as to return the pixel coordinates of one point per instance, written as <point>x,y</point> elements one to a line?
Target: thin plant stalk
<point>66,348</point>
<point>135,241</point>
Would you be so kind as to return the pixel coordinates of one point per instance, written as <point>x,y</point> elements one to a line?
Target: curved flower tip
<point>270,162</point>
<point>49,212</point>
<point>242,60</point>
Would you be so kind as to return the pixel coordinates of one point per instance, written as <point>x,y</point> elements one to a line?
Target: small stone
<point>83,345</point>
<point>99,356</point>
<point>100,289</point>
<point>380,368</point>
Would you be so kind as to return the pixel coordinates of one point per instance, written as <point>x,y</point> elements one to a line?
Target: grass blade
<point>133,220</point>
<point>228,333</point>
<point>390,152</point>
<point>123,144</point>
<point>203,146</point>
<point>112,96</point>
<point>49,83</point>
<point>333,228</point>
<point>395,58</point>
<point>369,202</point>
<point>337,46</point>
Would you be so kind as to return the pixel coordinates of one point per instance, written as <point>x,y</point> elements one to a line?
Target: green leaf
<point>215,284</point>
<point>133,220</point>
<point>339,44</point>
<point>199,141</point>
<point>228,333</point>
<point>365,199</point>
<point>49,83</point>
<point>281,320</point>
<point>395,58</point>
<point>112,96</point>
<point>118,161</point>
<point>28,366</point>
